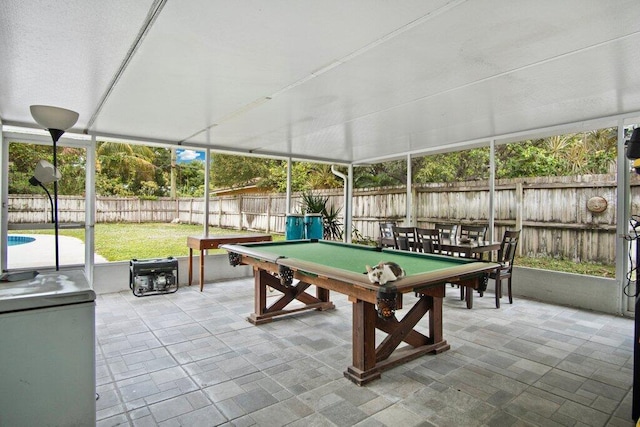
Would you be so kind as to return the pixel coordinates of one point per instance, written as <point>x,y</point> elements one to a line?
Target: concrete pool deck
<point>41,252</point>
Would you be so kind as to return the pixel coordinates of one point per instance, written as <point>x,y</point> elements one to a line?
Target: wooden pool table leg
<point>323,295</point>
<point>369,361</point>
<point>435,322</point>
<point>363,339</point>
<point>260,294</point>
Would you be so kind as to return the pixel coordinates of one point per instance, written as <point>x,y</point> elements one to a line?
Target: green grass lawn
<point>125,241</point>
<point>567,266</point>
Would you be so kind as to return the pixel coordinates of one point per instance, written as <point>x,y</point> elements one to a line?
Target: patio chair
<point>386,235</point>
<point>447,231</point>
<point>428,240</point>
<point>506,255</point>
<point>404,238</point>
<point>473,232</point>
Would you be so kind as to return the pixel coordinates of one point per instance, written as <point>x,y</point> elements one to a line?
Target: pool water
<point>19,240</point>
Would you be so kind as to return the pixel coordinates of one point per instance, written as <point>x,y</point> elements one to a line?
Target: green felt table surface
<point>355,258</point>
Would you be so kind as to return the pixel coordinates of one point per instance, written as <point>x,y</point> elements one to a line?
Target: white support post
<point>409,203</point>
<point>207,171</point>
<point>348,206</point>
<point>4,197</point>
<point>345,203</point>
<point>626,304</point>
<point>90,209</point>
<point>492,189</point>
<point>288,199</point>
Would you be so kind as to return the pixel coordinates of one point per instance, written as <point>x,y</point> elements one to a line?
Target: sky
<point>186,156</point>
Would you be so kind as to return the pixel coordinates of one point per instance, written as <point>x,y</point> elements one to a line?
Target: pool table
<point>292,266</point>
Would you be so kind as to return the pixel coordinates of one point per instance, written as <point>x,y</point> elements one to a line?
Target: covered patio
<point>347,85</point>
<point>344,83</point>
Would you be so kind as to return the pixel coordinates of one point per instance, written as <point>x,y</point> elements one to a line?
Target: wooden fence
<point>552,212</point>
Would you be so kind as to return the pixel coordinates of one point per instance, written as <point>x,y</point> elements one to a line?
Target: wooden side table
<point>202,243</point>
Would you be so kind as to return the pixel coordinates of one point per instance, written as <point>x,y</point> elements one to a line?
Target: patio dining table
<point>470,249</point>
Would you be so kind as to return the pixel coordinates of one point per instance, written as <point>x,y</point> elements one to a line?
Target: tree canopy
<point>24,157</point>
<point>133,169</point>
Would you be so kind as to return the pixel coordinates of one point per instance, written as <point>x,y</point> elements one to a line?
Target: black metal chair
<point>428,240</point>
<point>447,231</point>
<point>506,255</point>
<point>473,232</point>
<point>386,235</point>
<point>405,238</point>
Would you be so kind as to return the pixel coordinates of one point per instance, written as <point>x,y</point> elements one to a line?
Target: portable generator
<point>153,276</point>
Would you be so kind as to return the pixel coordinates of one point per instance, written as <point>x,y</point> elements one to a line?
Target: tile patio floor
<point>192,359</point>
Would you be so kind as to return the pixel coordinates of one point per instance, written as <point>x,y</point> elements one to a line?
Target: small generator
<point>153,276</point>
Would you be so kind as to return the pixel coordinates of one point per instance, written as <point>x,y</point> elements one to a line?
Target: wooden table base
<point>369,361</point>
<point>264,314</point>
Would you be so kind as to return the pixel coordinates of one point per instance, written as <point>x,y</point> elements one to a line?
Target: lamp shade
<point>46,173</point>
<point>633,145</point>
<point>53,117</point>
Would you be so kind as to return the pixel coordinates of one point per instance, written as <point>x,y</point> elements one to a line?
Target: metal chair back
<point>507,252</point>
<point>447,231</point>
<point>428,240</point>
<point>405,238</point>
<point>473,232</point>
<point>386,235</point>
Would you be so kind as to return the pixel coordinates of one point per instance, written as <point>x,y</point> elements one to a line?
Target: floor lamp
<point>45,173</point>
<point>56,120</point>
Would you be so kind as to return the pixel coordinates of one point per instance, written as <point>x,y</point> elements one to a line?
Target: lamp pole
<point>55,136</point>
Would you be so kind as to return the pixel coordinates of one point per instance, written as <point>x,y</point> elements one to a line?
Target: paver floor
<point>191,359</point>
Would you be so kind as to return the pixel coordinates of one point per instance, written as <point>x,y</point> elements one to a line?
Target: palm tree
<point>129,163</point>
<point>320,176</point>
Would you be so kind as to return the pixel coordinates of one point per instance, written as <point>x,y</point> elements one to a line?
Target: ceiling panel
<point>332,80</point>
<point>437,84</point>
<point>204,61</point>
<point>63,52</point>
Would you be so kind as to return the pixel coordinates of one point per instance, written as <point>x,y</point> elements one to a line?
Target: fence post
<point>47,213</point>
<point>268,214</point>
<point>240,211</point>
<point>414,206</point>
<point>519,199</point>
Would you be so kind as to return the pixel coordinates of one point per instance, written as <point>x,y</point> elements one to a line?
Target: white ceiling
<point>334,80</point>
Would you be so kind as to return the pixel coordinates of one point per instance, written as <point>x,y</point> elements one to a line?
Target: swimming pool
<point>19,240</point>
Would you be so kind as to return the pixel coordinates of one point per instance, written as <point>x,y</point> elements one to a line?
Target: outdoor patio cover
<point>332,80</point>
